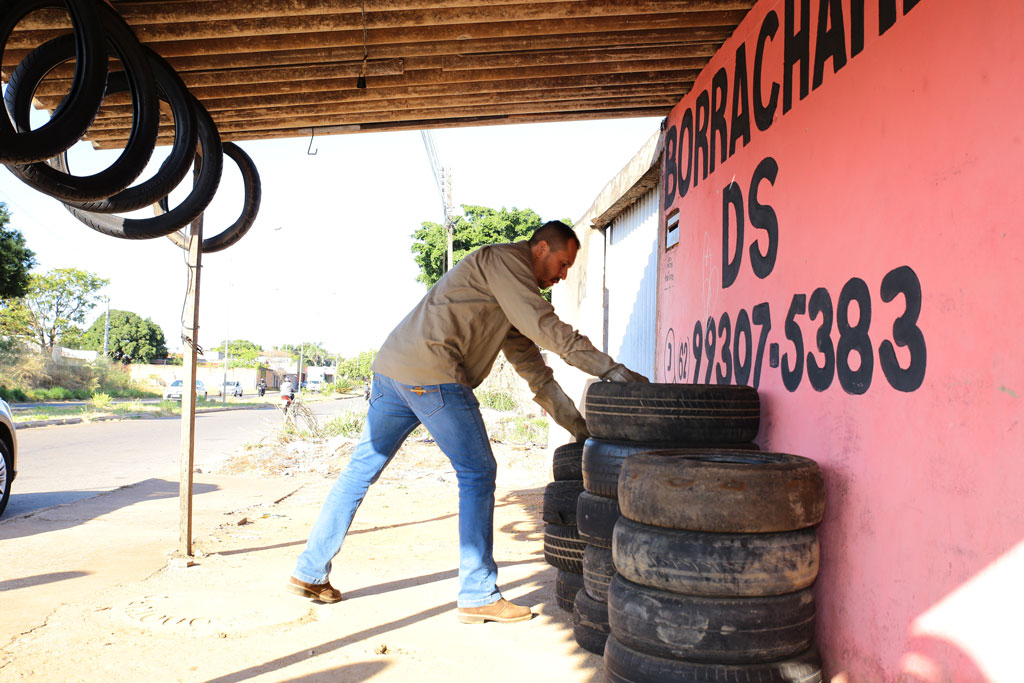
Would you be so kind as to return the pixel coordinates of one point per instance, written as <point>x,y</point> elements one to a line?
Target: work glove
<point>551,398</point>
<point>620,373</point>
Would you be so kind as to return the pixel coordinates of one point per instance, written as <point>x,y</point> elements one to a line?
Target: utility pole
<point>443,179</point>
<point>224,382</point>
<point>190,335</point>
<point>106,329</point>
<point>298,372</point>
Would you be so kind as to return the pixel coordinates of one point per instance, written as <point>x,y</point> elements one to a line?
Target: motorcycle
<point>261,389</point>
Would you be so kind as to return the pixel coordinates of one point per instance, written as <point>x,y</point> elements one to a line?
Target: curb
<point>131,416</point>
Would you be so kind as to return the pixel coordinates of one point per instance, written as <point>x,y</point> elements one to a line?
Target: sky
<point>328,259</point>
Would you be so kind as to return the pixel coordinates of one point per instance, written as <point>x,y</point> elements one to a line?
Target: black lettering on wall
<point>797,50</point>
<point>700,137</point>
<point>856,27</point>
<point>830,42</point>
<point>732,196</point>
<point>670,167</point>
<point>718,131</point>
<point>908,5</point>
<point>763,217</point>
<point>764,114</point>
<point>740,123</point>
<point>685,152</point>
<point>905,332</point>
<point>886,15</point>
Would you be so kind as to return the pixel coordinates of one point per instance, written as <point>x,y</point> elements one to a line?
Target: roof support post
<point>190,335</point>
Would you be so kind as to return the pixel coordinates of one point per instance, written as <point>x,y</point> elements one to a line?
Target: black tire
<point>602,461</point>
<point>715,565</point>
<point>672,413</point>
<point>210,163</point>
<point>722,491</point>
<point>560,501</point>
<point>74,115</point>
<point>625,665</point>
<point>590,623</point>
<point>724,630</point>
<point>598,571</point>
<point>171,90</point>
<point>563,548</point>
<point>596,517</point>
<point>7,478</point>
<point>253,193</point>
<point>567,585</point>
<point>567,462</point>
<point>138,78</point>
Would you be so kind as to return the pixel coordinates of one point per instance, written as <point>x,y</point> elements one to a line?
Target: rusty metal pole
<point>190,335</point>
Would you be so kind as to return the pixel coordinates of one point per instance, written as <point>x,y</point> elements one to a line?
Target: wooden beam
<point>167,16</point>
<point>673,89</point>
<point>208,54</point>
<point>281,132</point>
<point>290,32</point>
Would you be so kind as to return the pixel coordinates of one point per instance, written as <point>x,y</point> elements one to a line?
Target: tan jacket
<point>488,302</point>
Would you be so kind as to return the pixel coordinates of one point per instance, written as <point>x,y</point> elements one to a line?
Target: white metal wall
<point>631,270</point>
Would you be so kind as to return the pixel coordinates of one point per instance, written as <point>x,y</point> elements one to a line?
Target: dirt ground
<point>228,618</point>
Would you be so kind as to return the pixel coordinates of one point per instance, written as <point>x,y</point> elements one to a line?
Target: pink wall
<point>901,170</point>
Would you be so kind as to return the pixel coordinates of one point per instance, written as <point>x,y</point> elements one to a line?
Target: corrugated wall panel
<point>631,270</point>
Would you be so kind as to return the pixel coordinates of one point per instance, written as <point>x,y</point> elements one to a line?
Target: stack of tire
<point>715,551</point>
<point>563,548</point>
<point>627,419</point>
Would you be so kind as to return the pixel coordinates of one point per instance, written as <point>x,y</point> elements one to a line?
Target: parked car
<point>174,391</point>
<point>8,454</point>
<point>230,389</point>
<point>313,385</point>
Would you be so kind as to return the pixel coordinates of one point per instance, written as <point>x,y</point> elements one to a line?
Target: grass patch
<point>530,431</point>
<point>501,401</point>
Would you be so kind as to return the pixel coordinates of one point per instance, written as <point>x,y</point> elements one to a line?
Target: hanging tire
<point>598,571</point>
<point>672,413</point>
<point>602,461</point>
<point>725,630</point>
<point>715,565</point>
<point>137,77</point>
<point>590,623</point>
<point>567,462</point>
<point>625,665</point>
<point>722,491</point>
<point>171,90</point>
<point>210,163</point>
<point>560,501</point>
<point>595,518</point>
<point>253,193</point>
<point>567,585</point>
<point>76,112</point>
<point>563,548</point>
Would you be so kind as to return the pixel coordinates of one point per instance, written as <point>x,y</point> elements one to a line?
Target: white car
<point>8,454</point>
<point>174,391</point>
<point>313,385</point>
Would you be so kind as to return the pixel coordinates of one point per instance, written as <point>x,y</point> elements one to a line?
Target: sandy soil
<point>227,617</point>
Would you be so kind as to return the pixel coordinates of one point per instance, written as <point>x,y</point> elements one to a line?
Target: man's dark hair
<point>556,233</point>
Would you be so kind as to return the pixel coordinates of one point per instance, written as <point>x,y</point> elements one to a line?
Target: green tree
<point>16,260</point>
<point>132,339</point>
<point>242,353</point>
<point>313,353</point>
<point>477,226</point>
<point>357,367</point>
<point>54,306</point>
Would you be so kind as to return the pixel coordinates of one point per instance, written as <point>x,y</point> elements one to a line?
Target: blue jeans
<point>451,414</point>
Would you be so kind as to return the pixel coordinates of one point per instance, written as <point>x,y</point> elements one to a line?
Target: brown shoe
<point>322,592</point>
<point>501,610</point>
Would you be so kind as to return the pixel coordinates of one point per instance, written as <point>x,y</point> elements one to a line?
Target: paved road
<point>61,464</point>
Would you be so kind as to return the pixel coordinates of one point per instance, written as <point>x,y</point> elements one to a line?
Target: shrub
<point>14,395</point>
<point>100,401</point>
<point>348,424</point>
<point>497,400</point>
<point>521,430</point>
